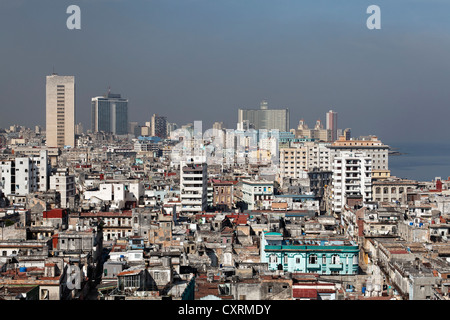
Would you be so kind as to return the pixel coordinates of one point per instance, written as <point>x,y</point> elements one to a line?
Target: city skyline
<point>222,56</point>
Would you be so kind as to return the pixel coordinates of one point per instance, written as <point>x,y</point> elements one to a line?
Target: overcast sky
<point>203,59</point>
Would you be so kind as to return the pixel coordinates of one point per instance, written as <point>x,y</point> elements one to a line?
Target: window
<point>273,259</point>
<point>313,259</point>
<point>335,259</point>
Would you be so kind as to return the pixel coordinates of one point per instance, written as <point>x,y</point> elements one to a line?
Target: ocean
<point>423,161</point>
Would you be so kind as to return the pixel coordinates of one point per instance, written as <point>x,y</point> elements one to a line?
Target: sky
<point>204,59</point>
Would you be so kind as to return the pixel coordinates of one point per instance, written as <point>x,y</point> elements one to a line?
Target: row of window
<point>313,259</point>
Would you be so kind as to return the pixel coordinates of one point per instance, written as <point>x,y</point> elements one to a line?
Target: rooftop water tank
<point>23,269</point>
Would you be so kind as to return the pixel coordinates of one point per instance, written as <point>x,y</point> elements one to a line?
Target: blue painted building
<point>325,256</point>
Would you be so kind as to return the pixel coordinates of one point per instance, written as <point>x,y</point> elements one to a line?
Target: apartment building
<point>193,187</point>
<point>23,175</point>
<point>373,148</point>
<point>64,183</point>
<point>352,176</point>
<point>257,194</point>
<point>308,156</point>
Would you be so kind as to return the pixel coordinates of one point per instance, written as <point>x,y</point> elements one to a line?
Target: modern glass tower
<point>110,114</point>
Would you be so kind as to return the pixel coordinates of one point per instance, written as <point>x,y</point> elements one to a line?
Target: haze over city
<point>202,60</point>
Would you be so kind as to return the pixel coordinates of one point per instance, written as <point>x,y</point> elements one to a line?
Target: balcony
<point>335,266</point>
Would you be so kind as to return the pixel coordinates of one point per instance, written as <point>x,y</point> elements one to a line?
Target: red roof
<point>304,293</point>
<point>55,213</point>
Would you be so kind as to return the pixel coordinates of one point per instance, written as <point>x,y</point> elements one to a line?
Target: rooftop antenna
<point>53,73</point>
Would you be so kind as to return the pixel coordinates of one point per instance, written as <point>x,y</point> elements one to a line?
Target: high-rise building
<point>193,186</point>
<point>60,111</point>
<point>63,183</point>
<point>352,176</point>
<point>332,124</point>
<point>110,114</point>
<point>265,118</point>
<point>159,126</point>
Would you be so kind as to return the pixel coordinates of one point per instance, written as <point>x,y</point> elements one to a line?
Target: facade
<point>110,114</point>
<point>323,256</point>
<point>265,118</point>
<point>392,190</point>
<point>193,187</point>
<point>318,133</point>
<point>60,111</point>
<point>295,161</point>
<point>64,183</point>
<point>352,176</point>
<point>24,175</point>
<point>257,194</point>
<point>222,194</point>
<point>372,147</point>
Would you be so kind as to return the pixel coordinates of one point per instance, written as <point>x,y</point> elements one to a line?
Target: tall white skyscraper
<point>332,124</point>
<point>60,111</point>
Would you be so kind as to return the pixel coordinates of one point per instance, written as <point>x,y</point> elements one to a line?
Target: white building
<point>257,194</point>
<point>116,194</point>
<point>63,183</point>
<point>23,175</point>
<point>193,186</point>
<point>373,148</point>
<point>352,176</point>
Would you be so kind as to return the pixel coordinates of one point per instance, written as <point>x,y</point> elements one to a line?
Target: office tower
<point>332,124</point>
<point>110,114</point>
<point>60,111</point>
<point>193,186</point>
<point>352,176</point>
<point>265,118</point>
<point>159,126</point>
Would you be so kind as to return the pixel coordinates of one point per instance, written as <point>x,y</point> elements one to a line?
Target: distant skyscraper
<point>159,126</point>
<point>265,118</point>
<point>332,124</point>
<point>60,111</point>
<point>110,114</point>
